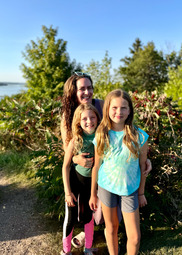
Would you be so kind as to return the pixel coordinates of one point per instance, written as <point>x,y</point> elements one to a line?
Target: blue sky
<point>90,27</point>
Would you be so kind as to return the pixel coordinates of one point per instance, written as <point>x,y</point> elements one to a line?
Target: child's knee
<point>111,228</point>
<point>135,239</point>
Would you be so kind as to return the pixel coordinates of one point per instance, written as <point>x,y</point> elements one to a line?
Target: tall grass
<point>18,166</point>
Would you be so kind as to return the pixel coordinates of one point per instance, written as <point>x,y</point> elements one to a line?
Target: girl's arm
<point>142,161</point>
<point>69,196</point>
<point>95,169</point>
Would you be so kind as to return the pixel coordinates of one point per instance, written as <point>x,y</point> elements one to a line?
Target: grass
<point>18,166</point>
<point>161,240</point>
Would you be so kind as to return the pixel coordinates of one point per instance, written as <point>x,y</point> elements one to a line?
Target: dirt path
<point>22,229</point>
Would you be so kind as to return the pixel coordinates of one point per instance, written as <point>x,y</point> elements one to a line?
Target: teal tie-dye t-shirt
<point>118,173</point>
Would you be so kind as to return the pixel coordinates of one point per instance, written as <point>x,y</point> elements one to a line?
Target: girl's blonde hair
<point>77,131</point>
<point>131,135</point>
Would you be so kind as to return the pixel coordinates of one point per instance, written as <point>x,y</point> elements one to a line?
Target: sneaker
<point>90,251</point>
<point>65,253</point>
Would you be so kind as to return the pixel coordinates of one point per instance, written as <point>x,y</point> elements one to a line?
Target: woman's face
<point>84,91</point>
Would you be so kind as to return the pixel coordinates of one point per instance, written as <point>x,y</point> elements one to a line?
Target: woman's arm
<point>95,169</point>
<point>82,160</point>
<point>148,167</point>
<point>69,196</point>
<point>142,161</point>
<point>63,133</point>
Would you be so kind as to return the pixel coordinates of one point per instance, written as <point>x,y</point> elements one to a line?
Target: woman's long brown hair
<point>70,102</point>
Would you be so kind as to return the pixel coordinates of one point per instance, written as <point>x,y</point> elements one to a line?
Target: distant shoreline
<point>11,83</point>
<point>3,84</point>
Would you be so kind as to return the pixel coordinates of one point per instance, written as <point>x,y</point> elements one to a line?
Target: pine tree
<point>145,69</point>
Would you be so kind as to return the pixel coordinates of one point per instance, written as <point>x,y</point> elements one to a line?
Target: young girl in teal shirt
<point>120,157</point>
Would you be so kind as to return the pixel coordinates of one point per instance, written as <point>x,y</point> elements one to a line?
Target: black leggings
<point>80,187</point>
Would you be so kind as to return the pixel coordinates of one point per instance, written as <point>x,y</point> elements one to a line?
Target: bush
<point>24,123</point>
<point>162,120</point>
<point>35,125</point>
<point>49,173</point>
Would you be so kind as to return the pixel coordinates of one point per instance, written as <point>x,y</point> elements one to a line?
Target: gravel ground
<point>22,229</point>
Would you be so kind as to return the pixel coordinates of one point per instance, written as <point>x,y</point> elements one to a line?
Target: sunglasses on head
<point>81,74</point>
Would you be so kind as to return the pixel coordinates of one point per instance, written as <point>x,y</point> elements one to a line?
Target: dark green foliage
<point>146,69</point>
<point>173,59</point>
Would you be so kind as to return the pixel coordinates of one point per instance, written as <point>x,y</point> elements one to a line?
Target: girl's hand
<point>69,199</point>
<point>93,203</point>
<point>148,167</point>
<point>142,200</point>
<point>83,161</point>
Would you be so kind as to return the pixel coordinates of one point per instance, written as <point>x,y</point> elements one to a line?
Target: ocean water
<point>11,89</point>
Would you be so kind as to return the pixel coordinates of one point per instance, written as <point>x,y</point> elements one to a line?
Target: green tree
<point>49,67</point>
<point>134,50</point>
<point>174,86</point>
<point>146,69</point>
<point>101,74</point>
<point>173,59</point>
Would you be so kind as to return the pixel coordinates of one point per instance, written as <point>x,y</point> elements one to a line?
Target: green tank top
<point>88,147</point>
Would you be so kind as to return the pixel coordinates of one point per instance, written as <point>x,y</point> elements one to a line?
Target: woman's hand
<point>93,203</point>
<point>148,167</point>
<point>69,199</point>
<point>83,161</point>
<point>142,200</point>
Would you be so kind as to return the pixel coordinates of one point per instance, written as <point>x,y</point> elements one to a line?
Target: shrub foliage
<point>36,125</point>
<point>161,119</point>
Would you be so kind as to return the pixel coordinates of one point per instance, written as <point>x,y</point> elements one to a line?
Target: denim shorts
<point>126,203</point>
